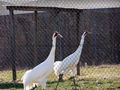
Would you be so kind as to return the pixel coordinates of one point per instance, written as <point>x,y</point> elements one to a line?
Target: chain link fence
<point>33,41</point>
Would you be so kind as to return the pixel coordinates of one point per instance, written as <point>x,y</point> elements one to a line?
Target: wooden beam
<point>36,8</point>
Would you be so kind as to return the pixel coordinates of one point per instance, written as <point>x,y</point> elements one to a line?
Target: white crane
<point>57,66</point>
<point>71,61</point>
<point>40,73</point>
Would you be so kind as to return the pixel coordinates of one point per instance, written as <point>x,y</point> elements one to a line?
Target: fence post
<point>77,29</point>
<point>13,44</point>
<point>36,38</point>
<point>58,28</point>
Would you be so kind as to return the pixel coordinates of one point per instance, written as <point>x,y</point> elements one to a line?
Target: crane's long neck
<point>79,49</point>
<point>51,56</point>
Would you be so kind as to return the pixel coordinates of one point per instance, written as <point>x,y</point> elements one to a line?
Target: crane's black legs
<point>71,78</point>
<point>60,79</point>
<point>74,82</point>
<point>57,85</point>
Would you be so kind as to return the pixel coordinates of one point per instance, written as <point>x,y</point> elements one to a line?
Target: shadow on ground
<point>17,85</point>
<point>11,85</point>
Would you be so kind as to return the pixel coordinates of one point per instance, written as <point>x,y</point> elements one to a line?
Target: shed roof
<point>74,4</point>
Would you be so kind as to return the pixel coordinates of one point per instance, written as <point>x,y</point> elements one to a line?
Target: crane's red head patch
<point>55,34</point>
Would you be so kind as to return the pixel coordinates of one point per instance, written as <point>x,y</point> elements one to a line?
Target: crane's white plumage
<point>57,66</point>
<point>39,73</point>
<point>70,62</point>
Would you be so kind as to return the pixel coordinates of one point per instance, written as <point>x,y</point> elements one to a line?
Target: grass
<point>104,77</point>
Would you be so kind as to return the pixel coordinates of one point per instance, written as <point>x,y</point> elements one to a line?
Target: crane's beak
<point>60,35</point>
<point>89,32</point>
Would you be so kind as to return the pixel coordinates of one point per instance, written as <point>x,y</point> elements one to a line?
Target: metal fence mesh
<point>32,47</point>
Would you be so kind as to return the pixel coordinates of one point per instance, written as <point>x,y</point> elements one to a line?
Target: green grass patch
<point>104,77</point>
